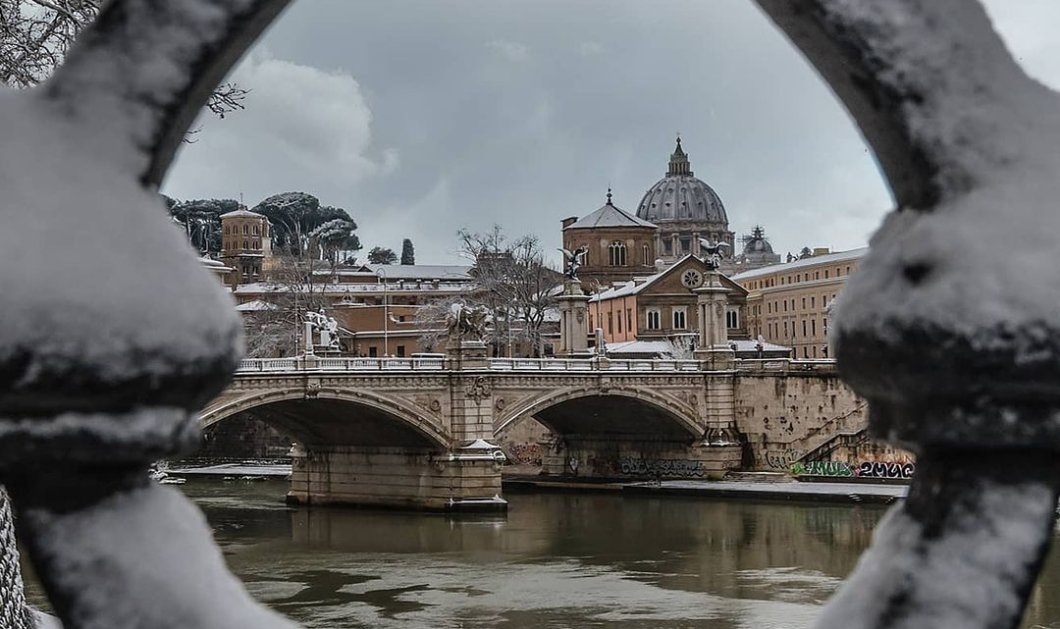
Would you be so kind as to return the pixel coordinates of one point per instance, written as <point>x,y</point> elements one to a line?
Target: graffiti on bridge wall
<point>822,468</point>
<point>867,469</point>
<point>784,459</point>
<point>676,468</point>
<point>526,453</point>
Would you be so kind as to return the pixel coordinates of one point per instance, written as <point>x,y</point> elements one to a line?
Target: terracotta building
<point>376,305</point>
<point>246,245</point>
<point>788,304</point>
<point>662,307</point>
<point>619,245</point>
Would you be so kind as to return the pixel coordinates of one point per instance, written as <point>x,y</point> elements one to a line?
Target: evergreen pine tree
<point>408,252</point>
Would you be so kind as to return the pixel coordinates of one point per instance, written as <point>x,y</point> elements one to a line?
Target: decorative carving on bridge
<point>478,389</point>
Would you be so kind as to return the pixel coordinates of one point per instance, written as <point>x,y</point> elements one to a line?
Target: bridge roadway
<point>422,432</point>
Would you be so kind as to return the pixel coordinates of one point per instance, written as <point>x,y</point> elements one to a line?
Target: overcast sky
<point>420,117</point>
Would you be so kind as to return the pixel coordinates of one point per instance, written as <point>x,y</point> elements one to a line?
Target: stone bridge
<point>423,432</point>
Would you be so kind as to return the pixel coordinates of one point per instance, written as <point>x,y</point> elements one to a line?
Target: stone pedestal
<point>720,449</point>
<point>465,354</point>
<point>711,300</point>
<point>573,322</point>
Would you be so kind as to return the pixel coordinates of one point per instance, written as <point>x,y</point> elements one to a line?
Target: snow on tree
<point>294,216</point>
<point>201,220</point>
<point>382,255</point>
<point>36,35</point>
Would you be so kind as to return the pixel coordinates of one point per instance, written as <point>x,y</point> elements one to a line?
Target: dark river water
<point>555,561</point>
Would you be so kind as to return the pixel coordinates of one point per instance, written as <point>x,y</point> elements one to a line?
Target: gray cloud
<point>422,117</point>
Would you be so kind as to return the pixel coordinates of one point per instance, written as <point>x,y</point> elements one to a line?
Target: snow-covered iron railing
<point>953,342</point>
<point>100,374</point>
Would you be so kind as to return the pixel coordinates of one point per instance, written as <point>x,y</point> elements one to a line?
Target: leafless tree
<point>514,282</point>
<point>35,36</point>
<point>299,282</point>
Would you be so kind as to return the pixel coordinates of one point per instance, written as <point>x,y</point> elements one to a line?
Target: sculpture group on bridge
<point>327,329</point>
<point>467,322</point>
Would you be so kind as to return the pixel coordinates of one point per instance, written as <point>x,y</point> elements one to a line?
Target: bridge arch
<point>335,417</point>
<point>614,411</point>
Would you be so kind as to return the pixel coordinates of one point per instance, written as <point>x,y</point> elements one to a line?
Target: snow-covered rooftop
<point>639,347</point>
<point>256,288</point>
<point>256,306</point>
<point>745,345</point>
<point>244,213</point>
<point>609,216</point>
<point>421,271</point>
<point>839,256</point>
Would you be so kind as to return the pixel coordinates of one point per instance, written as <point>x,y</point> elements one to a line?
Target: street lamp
<point>381,272</point>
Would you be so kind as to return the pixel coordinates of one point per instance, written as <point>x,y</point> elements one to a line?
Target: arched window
<point>644,256</point>
<point>654,320</point>
<point>245,245</point>
<point>616,252</point>
<point>680,317</point>
<point>246,228</point>
<point>257,244</point>
<point>227,229</point>
<point>256,230</point>
<point>732,319</point>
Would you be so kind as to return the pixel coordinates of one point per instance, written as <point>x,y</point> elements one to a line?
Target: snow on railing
<point>953,342</point>
<point>282,365</point>
<point>772,365</point>
<point>592,364</point>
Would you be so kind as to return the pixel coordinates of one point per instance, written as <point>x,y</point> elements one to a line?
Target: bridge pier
<point>463,479</point>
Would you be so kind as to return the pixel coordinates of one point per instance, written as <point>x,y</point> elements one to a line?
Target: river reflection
<point>556,560</point>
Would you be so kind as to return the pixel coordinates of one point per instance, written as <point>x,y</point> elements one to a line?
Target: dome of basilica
<point>756,243</point>
<point>679,196</point>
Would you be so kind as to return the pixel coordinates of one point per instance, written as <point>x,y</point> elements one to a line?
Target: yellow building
<point>788,304</point>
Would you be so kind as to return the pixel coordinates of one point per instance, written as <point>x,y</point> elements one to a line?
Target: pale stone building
<point>788,304</point>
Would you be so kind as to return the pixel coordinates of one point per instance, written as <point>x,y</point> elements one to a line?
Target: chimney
<point>570,220</point>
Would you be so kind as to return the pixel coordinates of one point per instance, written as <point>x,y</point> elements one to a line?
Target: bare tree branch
<point>36,35</point>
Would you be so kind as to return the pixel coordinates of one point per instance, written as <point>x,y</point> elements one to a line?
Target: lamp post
<point>381,272</point>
